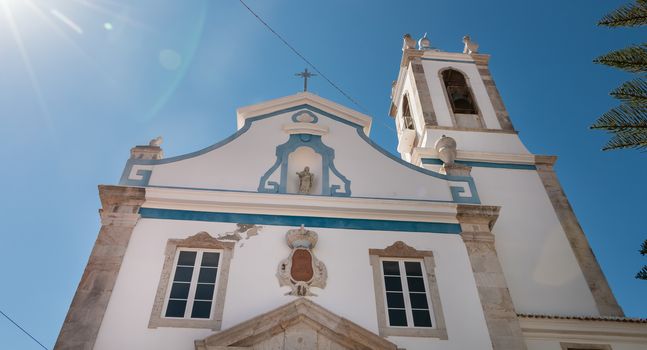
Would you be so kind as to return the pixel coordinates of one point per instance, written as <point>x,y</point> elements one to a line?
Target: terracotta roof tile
<point>587,318</point>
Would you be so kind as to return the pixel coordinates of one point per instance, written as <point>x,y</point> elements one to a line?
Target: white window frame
<point>400,251</point>
<point>405,291</point>
<point>193,285</point>
<point>201,241</point>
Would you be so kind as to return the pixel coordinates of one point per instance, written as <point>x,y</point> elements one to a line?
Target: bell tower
<point>450,119</point>
<point>447,93</point>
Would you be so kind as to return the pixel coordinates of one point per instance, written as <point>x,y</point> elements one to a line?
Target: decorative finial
<point>409,43</point>
<point>156,142</point>
<point>305,75</point>
<point>470,46</point>
<point>424,43</point>
<point>446,148</point>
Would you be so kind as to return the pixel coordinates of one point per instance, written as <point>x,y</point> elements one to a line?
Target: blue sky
<point>88,79</point>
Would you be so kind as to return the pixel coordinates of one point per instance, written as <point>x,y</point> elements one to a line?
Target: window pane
<point>393,283</point>
<point>180,291</point>
<point>183,274</point>
<point>413,268</point>
<point>201,309</point>
<point>395,300</point>
<point>210,259</point>
<point>207,275</point>
<point>416,284</point>
<point>391,268</point>
<point>397,318</point>
<point>418,300</point>
<point>421,318</point>
<point>186,258</point>
<point>175,308</point>
<point>204,292</point>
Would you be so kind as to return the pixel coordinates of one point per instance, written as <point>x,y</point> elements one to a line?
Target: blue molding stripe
<point>515,166</point>
<point>282,156</point>
<point>309,221</point>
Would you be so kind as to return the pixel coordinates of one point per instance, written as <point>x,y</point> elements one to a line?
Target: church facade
<point>299,232</point>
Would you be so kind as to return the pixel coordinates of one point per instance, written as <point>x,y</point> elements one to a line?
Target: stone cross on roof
<point>305,75</point>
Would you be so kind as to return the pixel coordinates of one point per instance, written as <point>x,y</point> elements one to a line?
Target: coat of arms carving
<point>301,269</point>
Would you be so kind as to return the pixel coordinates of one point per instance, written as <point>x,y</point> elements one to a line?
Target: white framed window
<point>406,291</point>
<point>193,284</point>
<point>407,300</point>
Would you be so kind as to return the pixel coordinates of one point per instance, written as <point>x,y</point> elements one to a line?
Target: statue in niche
<point>306,179</point>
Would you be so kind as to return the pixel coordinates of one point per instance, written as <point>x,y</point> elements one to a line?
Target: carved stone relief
<point>301,269</point>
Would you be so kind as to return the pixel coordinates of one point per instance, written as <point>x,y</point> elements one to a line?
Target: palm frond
<point>633,92</point>
<point>632,58</point>
<point>628,125</point>
<point>630,15</point>
<point>623,116</point>
<point>643,248</point>
<point>622,140</point>
<point>642,274</point>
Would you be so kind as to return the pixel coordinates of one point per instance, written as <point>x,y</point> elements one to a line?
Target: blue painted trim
<point>315,119</point>
<point>455,191</point>
<point>515,166</point>
<point>446,60</point>
<point>309,221</point>
<point>144,173</point>
<point>245,128</point>
<point>283,155</point>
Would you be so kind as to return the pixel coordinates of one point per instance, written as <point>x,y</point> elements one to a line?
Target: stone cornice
<point>300,98</point>
<point>121,199</point>
<point>583,330</point>
<point>408,55</point>
<point>300,205</point>
<point>301,311</point>
<point>545,160</point>
<point>477,214</point>
<point>480,59</point>
<point>455,128</point>
<point>511,158</point>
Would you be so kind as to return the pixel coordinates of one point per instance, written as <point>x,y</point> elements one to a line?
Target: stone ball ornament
<point>424,43</point>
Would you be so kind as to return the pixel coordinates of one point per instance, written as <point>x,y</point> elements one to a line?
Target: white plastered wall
<point>539,265</point>
<point>240,164</point>
<point>253,288</point>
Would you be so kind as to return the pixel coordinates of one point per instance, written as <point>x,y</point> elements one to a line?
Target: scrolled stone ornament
<point>301,269</point>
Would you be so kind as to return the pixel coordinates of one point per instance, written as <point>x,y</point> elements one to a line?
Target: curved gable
<point>268,150</point>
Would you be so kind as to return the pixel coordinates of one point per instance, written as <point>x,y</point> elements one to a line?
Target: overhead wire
<point>296,52</point>
<point>23,330</point>
<point>301,56</point>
